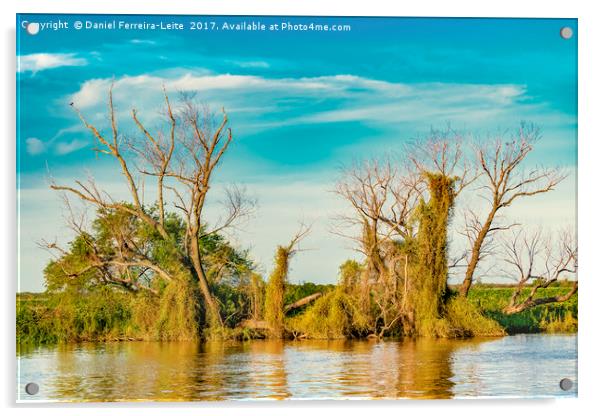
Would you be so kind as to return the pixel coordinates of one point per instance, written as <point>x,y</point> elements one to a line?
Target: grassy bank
<point>111,316</point>
<point>107,314</point>
<point>555,317</point>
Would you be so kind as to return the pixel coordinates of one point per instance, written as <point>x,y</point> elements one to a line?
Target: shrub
<point>334,315</point>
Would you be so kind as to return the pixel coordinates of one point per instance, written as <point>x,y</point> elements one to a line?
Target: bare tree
<point>182,163</point>
<point>384,193</point>
<point>384,196</point>
<point>442,152</point>
<point>536,259</point>
<point>500,162</point>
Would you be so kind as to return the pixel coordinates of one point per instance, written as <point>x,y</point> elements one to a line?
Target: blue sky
<point>301,105</point>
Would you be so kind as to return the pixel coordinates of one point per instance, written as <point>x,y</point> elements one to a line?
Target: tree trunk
<point>530,302</point>
<point>213,315</point>
<point>476,254</point>
<point>302,302</point>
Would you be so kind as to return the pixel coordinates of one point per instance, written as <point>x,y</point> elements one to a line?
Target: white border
<point>590,174</point>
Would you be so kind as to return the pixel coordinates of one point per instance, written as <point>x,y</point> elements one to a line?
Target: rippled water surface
<point>521,365</point>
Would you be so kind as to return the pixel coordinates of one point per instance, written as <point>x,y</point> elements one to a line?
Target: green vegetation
<point>467,320</point>
<point>335,315</point>
<point>87,300</point>
<point>101,315</point>
<point>430,280</point>
<point>554,317</point>
<point>110,315</point>
<point>274,293</point>
<point>294,292</point>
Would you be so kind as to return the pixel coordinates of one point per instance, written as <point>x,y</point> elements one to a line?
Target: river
<point>512,366</point>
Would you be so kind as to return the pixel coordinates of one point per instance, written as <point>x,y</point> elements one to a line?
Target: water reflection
<point>187,371</point>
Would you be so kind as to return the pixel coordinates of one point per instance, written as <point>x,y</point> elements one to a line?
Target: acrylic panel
<point>252,207</point>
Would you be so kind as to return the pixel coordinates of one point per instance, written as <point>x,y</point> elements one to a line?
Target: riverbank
<point>41,319</point>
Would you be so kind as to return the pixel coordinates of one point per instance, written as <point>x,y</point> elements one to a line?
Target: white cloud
<point>323,99</point>
<point>94,91</point>
<point>64,148</point>
<point>250,64</point>
<point>432,101</point>
<point>35,146</point>
<point>143,42</point>
<point>91,92</point>
<point>41,61</point>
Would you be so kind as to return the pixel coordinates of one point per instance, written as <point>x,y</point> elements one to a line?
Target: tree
<point>540,260</point>
<point>182,162</point>
<point>406,265</point>
<point>350,273</point>
<point>116,251</point>
<point>383,198</point>
<point>441,163</point>
<point>274,292</point>
<point>500,163</point>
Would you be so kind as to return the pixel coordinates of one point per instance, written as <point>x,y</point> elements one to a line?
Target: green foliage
<point>350,273</point>
<point>225,263</point>
<point>85,302</point>
<point>334,315</point>
<point>467,320</point>
<point>235,302</point>
<point>294,292</point>
<point>559,323</point>
<point>70,316</point>
<point>178,312</point>
<point>274,293</point>
<point>90,297</point>
<point>76,259</point>
<point>93,258</point>
<point>430,284</point>
<point>553,317</point>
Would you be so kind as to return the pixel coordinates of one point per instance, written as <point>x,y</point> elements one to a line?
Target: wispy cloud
<point>92,92</point>
<point>394,109</point>
<point>35,146</point>
<point>322,99</point>
<point>250,64</point>
<point>143,42</point>
<point>427,100</point>
<point>64,148</point>
<point>41,61</point>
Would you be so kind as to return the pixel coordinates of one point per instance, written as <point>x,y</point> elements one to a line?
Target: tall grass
<point>108,314</point>
<point>101,315</point>
<point>467,320</point>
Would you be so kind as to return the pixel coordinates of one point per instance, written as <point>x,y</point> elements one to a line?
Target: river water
<point>512,366</point>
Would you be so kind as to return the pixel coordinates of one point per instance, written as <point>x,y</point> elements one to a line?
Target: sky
<point>302,104</point>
